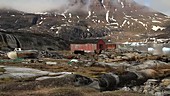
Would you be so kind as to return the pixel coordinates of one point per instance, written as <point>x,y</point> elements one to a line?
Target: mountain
<point>118,20</point>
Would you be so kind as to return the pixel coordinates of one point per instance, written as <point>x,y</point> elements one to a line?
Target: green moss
<point>67,92</point>
<point>2,69</point>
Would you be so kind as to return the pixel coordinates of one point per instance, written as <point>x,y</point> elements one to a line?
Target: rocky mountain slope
<point>113,19</point>
<point>11,40</point>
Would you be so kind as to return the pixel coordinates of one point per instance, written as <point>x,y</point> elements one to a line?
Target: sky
<point>33,5</point>
<point>158,5</point>
<point>41,5</point>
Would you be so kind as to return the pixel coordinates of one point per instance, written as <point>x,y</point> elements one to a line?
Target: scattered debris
<point>50,54</point>
<point>51,63</point>
<point>129,71</point>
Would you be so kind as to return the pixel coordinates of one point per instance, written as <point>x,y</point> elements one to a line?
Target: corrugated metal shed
<point>88,45</point>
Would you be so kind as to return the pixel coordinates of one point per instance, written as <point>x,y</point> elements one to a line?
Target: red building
<point>110,46</point>
<point>88,45</point>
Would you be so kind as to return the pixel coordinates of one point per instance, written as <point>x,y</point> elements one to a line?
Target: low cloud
<point>44,5</point>
<point>33,5</point>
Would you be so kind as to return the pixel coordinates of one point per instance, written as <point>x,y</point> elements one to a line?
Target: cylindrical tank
<point>23,54</point>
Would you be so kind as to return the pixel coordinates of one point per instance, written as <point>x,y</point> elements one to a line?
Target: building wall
<point>101,42</point>
<point>89,47</point>
<point>110,46</point>
<point>84,47</point>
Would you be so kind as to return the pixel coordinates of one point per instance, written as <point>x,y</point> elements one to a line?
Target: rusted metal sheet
<point>88,46</point>
<point>84,47</point>
<point>110,46</point>
<point>23,54</point>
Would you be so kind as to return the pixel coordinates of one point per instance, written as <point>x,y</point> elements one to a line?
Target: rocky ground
<point>49,76</point>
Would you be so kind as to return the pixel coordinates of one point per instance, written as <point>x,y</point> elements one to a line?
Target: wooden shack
<point>88,45</point>
<point>110,46</point>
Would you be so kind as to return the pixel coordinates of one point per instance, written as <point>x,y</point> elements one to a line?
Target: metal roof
<point>86,41</point>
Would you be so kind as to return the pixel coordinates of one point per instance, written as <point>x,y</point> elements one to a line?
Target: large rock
<point>18,73</point>
<point>31,41</point>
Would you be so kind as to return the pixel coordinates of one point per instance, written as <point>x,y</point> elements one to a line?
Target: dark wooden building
<point>88,45</point>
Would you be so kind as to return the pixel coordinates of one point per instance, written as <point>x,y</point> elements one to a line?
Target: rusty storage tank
<point>23,54</point>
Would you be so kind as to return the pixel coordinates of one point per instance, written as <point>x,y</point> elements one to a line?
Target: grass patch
<point>67,92</point>
<point>2,70</point>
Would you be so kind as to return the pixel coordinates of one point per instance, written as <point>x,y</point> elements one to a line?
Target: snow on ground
<point>107,16</point>
<point>116,27</point>
<point>103,4</point>
<point>134,19</point>
<point>132,23</point>
<point>64,25</point>
<point>134,43</point>
<point>122,4</point>
<point>95,16</point>
<point>127,16</point>
<point>156,14</point>
<point>162,40</point>
<point>124,22</point>
<point>141,15</point>
<point>70,15</point>
<point>142,23</point>
<point>94,20</point>
<point>41,22</point>
<point>112,19</point>
<point>42,13</point>
<point>69,21</point>
<point>166,50</point>
<point>63,15</point>
<point>89,14</point>
<point>156,28</point>
<point>98,21</point>
<point>53,27</point>
<point>156,21</point>
<point>12,15</point>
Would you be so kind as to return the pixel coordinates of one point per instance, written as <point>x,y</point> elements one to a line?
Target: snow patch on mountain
<point>107,16</point>
<point>40,22</point>
<point>52,28</point>
<point>89,14</point>
<point>124,22</point>
<point>42,13</point>
<point>122,4</point>
<point>156,28</point>
<point>156,21</point>
<point>142,23</point>
<point>70,15</point>
<point>63,15</point>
